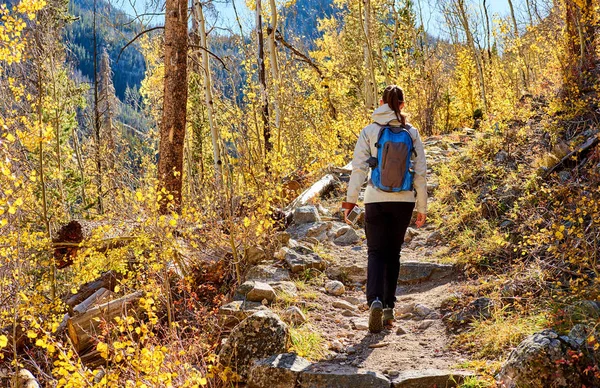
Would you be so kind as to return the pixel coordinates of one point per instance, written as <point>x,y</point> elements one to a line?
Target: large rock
<point>255,255</point>
<point>259,336</point>
<point>316,230</point>
<point>298,262</point>
<point>318,376</point>
<point>417,271</point>
<point>429,378</point>
<point>544,360</point>
<point>268,273</point>
<point>347,236</point>
<point>233,313</point>
<point>280,370</point>
<point>255,291</point>
<point>306,215</point>
<point>353,269</point>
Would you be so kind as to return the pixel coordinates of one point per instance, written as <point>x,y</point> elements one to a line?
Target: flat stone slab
<point>298,262</point>
<point>268,273</point>
<point>319,376</point>
<point>418,271</point>
<point>429,378</point>
<point>280,370</point>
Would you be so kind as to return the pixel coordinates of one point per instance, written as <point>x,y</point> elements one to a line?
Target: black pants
<point>385,227</point>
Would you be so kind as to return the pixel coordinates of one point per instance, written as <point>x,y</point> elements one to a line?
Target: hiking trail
<point>415,352</point>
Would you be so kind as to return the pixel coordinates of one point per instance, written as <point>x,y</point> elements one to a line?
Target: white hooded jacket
<point>365,148</point>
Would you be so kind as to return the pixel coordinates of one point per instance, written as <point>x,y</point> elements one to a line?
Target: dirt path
<point>418,343</point>
<point>322,271</point>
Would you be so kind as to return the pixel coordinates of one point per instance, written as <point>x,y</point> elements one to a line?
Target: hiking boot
<point>388,316</point>
<point>375,315</point>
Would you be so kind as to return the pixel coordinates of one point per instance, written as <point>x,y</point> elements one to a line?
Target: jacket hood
<point>384,115</point>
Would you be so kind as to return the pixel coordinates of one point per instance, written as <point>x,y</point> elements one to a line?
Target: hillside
<point>114,31</point>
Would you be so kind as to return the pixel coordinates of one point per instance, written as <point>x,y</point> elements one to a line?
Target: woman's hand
<point>421,218</point>
<point>347,206</point>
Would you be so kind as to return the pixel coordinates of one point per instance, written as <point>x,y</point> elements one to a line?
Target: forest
<point>171,192</point>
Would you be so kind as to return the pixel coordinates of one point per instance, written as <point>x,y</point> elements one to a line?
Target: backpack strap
<point>387,126</point>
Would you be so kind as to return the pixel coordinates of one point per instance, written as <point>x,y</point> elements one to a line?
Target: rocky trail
<point>316,281</point>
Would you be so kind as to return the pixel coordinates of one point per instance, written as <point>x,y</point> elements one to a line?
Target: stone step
<point>411,272</point>
<point>418,271</point>
<point>290,371</point>
<point>429,378</point>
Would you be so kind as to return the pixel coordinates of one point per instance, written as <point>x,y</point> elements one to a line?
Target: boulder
<point>233,313</point>
<point>256,291</point>
<point>306,215</point>
<point>429,378</point>
<point>280,370</point>
<point>352,269</point>
<point>314,230</point>
<point>335,287</point>
<point>294,315</point>
<point>333,376</point>
<point>259,336</point>
<point>417,271</point>
<point>298,262</point>
<point>255,255</point>
<point>545,359</point>
<point>268,273</point>
<point>348,237</point>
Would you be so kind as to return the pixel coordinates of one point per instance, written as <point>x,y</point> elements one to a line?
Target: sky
<point>223,17</point>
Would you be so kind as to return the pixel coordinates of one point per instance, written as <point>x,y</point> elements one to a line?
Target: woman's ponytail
<point>393,95</point>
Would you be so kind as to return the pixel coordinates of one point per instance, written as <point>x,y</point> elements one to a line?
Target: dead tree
<point>172,131</point>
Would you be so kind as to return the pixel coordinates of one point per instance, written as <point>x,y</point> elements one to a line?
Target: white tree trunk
<point>214,132</point>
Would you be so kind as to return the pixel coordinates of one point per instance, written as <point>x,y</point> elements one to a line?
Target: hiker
<point>393,150</point>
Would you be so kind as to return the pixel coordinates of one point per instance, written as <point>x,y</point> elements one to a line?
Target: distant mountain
<point>301,19</point>
<point>114,30</point>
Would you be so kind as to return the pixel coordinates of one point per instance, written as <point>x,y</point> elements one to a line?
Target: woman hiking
<point>394,151</point>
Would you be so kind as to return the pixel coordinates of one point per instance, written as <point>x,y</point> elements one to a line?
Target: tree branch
<point>212,54</point>
<point>136,37</point>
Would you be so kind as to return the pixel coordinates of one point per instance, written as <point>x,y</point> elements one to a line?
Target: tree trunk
<point>263,83</point>
<point>370,82</point>
<point>98,150</point>
<point>275,68</point>
<point>172,132</point>
<point>214,132</point>
<point>464,20</point>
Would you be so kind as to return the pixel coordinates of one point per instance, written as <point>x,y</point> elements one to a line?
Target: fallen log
<point>98,297</point>
<point>83,329</point>
<point>72,237</point>
<point>574,157</point>
<point>107,280</point>
<point>318,188</point>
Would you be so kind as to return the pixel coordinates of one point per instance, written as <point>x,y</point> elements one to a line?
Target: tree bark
<point>208,97</point>
<point>263,83</point>
<point>370,82</point>
<point>172,132</point>
<point>275,69</point>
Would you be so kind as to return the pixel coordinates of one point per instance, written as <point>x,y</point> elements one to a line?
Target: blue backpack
<point>392,168</point>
